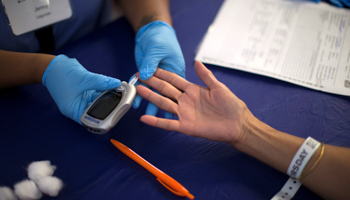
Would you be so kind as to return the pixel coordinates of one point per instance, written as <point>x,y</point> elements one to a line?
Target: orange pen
<point>169,183</point>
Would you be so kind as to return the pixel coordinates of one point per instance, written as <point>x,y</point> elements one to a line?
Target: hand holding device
<point>157,46</point>
<point>109,107</point>
<point>72,87</point>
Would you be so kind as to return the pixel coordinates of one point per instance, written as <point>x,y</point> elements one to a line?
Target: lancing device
<point>109,107</point>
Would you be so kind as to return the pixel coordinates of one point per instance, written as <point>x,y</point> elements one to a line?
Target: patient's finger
<point>172,78</point>
<point>158,100</point>
<point>167,124</point>
<point>163,87</point>
<point>206,76</point>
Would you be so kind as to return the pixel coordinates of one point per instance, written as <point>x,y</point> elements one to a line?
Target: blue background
<point>33,129</point>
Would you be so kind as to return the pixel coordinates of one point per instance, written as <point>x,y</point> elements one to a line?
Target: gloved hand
<point>72,87</point>
<point>157,46</point>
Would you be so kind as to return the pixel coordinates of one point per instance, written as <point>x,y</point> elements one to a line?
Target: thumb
<point>149,66</point>
<point>206,75</point>
<point>100,82</point>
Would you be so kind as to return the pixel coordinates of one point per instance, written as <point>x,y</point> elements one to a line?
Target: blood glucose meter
<point>109,107</point>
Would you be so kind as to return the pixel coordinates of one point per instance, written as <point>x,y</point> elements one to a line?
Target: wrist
<point>22,68</point>
<point>54,60</point>
<point>268,145</point>
<point>145,23</point>
<point>251,131</point>
<point>44,61</point>
<point>152,25</point>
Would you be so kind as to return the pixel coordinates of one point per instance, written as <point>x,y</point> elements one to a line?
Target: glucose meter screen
<point>105,105</point>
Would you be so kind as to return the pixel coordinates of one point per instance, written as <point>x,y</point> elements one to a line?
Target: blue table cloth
<point>33,129</point>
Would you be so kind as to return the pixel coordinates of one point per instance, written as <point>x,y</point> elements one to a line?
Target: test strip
<point>133,81</point>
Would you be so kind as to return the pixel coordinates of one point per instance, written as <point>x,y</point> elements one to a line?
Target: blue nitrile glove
<point>157,46</point>
<point>72,87</point>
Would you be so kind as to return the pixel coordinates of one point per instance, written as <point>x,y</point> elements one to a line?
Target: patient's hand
<point>214,113</point>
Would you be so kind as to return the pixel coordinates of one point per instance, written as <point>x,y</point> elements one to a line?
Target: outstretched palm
<point>213,113</point>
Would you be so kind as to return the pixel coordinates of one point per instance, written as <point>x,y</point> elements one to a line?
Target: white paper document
<point>304,43</point>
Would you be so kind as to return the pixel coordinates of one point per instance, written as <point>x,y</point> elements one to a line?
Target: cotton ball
<point>7,194</point>
<point>50,185</point>
<point>40,169</point>
<point>28,190</point>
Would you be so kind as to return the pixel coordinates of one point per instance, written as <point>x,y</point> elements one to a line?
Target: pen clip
<point>170,189</point>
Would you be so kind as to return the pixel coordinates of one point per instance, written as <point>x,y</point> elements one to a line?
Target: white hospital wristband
<point>296,167</point>
<point>302,157</point>
<point>288,190</point>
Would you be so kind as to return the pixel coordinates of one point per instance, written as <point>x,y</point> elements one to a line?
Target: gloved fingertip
<point>151,109</point>
<point>146,71</point>
<point>114,83</point>
<point>169,115</point>
<point>136,102</point>
<point>109,83</point>
<point>143,74</point>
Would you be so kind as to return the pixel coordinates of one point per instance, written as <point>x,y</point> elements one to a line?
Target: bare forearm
<point>22,68</point>
<point>330,179</point>
<point>142,12</point>
<point>269,145</point>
